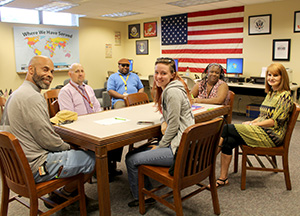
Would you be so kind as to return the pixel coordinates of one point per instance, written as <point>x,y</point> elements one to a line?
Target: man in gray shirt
<point>27,115</point>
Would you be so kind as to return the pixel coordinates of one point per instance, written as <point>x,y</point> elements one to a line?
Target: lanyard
<point>124,81</point>
<point>86,98</point>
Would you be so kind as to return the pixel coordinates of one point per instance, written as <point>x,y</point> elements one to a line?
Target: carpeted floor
<point>265,193</point>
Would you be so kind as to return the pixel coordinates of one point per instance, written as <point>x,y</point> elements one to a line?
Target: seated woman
<point>172,100</point>
<point>268,130</point>
<point>212,89</point>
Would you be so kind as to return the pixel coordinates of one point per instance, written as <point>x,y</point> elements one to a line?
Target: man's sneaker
<point>54,198</point>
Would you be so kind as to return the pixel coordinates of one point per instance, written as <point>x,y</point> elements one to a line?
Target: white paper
<point>110,121</point>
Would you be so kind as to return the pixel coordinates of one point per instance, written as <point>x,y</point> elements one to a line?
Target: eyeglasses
<point>125,65</point>
<point>164,59</point>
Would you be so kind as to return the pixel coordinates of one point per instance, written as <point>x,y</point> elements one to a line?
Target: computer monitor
<point>131,64</point>
<point>176,64</point>
<point>234,66</point>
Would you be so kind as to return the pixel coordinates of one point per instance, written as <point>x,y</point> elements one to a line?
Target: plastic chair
<point>17,176</point>
<point>189,81</point>
<point>136,99</point>
<point>195,161</point>
<point>50,97</point>
<point>270,154</point>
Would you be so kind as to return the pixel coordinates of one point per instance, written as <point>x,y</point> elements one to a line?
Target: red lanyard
<point>87,99</point>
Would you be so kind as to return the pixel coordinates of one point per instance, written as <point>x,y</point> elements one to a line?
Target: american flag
<point>199,38</point>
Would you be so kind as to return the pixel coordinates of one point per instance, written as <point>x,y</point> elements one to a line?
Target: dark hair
<point>157,91</point>
<point>222,75</point>
<point>277,68</point>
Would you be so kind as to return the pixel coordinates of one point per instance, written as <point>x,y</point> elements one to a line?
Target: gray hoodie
<point>177,113</point>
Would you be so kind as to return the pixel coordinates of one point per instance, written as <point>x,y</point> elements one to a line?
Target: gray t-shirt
<point>27,114</point>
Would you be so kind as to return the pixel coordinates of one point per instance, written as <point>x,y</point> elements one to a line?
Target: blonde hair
<point>277,68</point>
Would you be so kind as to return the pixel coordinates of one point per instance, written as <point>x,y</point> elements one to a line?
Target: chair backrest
<point>189,81</point>
<point>291,125</point>
<point>15,169</point>
<point>54,108</point>
<point>136,99</point>
<point>231,100</point>
<point>197,152</point>
<point>2,104</point>
<point>151,81</point>
<point>50,97</point>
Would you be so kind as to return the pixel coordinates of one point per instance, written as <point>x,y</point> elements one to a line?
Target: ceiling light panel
<point>120,14</point>
<point>4,2</point>
<point>57,6</point>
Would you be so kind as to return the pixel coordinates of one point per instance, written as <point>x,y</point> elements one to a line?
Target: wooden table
<point>87,133</point>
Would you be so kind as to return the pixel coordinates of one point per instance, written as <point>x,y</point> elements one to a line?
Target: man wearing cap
<point>123,83</point>
<point>76,96</point>
<point>27,116</point>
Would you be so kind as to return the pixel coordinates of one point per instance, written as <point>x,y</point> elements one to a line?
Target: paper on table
<point>110,121</point>
<point>196,107</point>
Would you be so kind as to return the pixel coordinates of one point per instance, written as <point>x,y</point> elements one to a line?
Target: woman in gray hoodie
<point>173,101</point>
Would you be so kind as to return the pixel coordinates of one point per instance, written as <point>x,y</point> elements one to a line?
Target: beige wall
<point>94,34</point>
<point>258,48</point>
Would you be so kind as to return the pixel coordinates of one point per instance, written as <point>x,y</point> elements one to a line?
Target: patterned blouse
<point>213,93</point>
<point>276,106</point>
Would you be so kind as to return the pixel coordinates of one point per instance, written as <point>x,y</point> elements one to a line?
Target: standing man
<point>123,83</point>
<point>27,115</point>
<point>76,96</point>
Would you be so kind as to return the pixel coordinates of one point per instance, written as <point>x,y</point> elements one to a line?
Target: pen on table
<point>210,108</point>
<point>192,96</point>
<point>122,119</point>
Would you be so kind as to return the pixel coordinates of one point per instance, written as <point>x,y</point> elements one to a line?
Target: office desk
<point>256,89</point>
<point>87,133</point>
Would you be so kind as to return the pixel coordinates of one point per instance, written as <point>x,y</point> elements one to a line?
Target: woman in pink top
<point>212,89</point>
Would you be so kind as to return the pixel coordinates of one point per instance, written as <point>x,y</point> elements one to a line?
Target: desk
<point>257,89</point>
<point>85,132</point>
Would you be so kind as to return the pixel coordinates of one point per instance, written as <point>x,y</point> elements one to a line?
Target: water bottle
<point>187,72</point>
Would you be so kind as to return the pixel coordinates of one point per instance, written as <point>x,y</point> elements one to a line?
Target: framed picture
<point>150,29</point>
<point>297,22</point>
<point>259,24</point>
<point>281,50</point>
<point>141,47</point>
<point>134,31</point>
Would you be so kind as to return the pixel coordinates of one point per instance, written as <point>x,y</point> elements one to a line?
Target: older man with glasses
<point>123,83</point>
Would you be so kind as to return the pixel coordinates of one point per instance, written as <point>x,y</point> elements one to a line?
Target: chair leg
<point>177,202</point>
<point>286,172</point>
<point>81,192</point>
<point>141,195</point>
<point>214,196</point>
<point>34,206</point>
<point>236,160</point>
<point>4,199</point>
<point>243,176</point>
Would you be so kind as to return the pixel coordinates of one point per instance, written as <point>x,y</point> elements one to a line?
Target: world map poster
<point>60,45</point>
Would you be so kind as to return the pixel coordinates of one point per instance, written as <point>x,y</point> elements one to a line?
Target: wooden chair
<point>17,176</point>
<point>54,108</point>
<point>195,161</point>
<point>270,154</point>
<point>231,100</point>
<point>136,99</point>
<point>2,104</point>
<point>50,97</point>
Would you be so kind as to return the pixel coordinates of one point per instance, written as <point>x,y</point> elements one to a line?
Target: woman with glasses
<point>212,89</point>
<point>170,94</point>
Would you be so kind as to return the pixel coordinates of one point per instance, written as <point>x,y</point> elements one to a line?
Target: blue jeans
<point>72,162</point>
<point>158,156</point>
